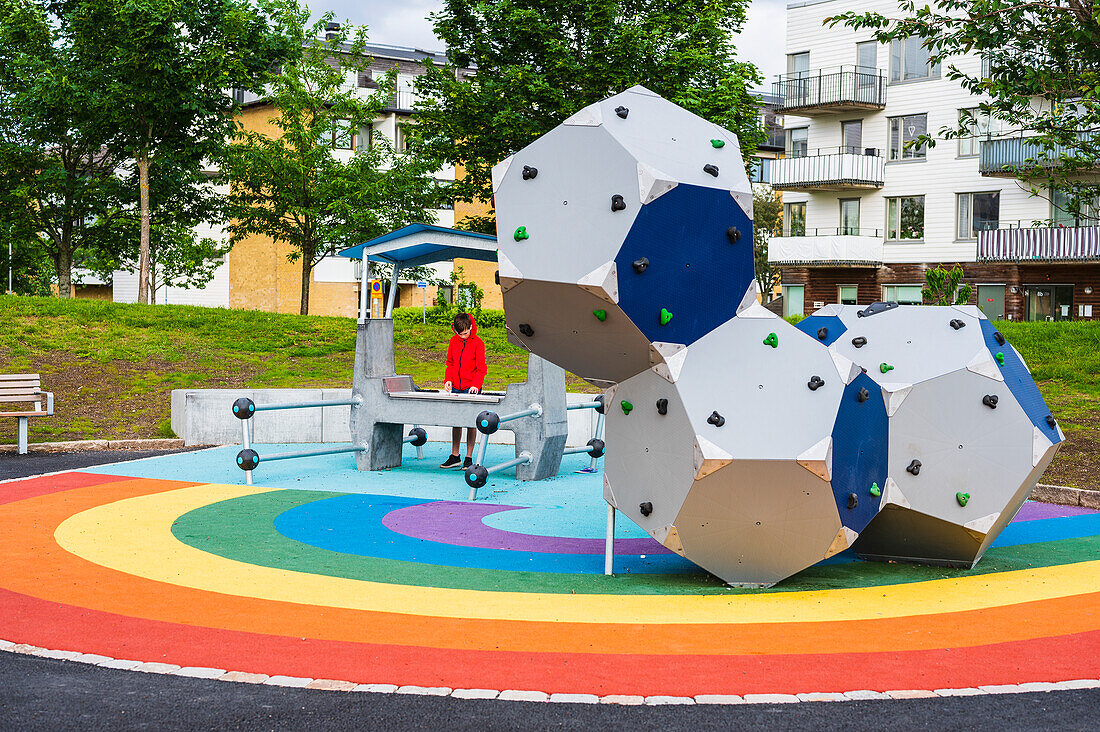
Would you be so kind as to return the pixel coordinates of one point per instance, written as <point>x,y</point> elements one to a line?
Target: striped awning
<point>1048,244</point>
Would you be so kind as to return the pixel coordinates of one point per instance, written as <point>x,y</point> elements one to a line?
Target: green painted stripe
<point>242,529</point>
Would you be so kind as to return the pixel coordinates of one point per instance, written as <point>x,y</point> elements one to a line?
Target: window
<point>902,294</point>
<point>867,57</point>
<point>851,136</point>
<point>794,300</point>
<point>445,205</point>
<point>977,212</point>
<point>980,125</point>
<point>905,218</point>
<point>761,170</point>
<point>365,139</point>
<point>904,130</point>
<point>794,219</point>
<point>909,60</point>
<point>1061,213</point>
<point>798,140</point>
<point>798,63</point>
<point>847,295</point>
<point>849,217</point>
<point>342,135</point>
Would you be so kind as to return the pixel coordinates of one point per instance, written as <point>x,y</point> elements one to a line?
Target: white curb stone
<point>330,685</point>
<point>1002,689</point>
<point>92,658</point>
<point>1079,684</point>
<point>425,690</point>
<point>575,698</point>
<point>377,688</point>
<point>518,695</point>
<point>910,694</point>
<point>200,672</point>
<point>153,667</point>
<point>969,691</point>
<point>864,694</point>
<point>474,693</point>
<point>295,682</point>
<point>822,696</point>
<point>623,699</point>
<point>771,698</point>
<point>662,700</point>
<point>719,699</point>
<point>120,663</point>
<point>59,655</point>
<point>243,677</point>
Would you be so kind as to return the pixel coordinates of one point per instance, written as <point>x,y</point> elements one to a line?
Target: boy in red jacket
<point>465,375</point>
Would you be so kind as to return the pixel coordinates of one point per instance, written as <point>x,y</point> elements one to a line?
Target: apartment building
<point>865,215</point>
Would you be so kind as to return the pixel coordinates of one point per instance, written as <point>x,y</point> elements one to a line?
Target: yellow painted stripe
<point>134,536</point>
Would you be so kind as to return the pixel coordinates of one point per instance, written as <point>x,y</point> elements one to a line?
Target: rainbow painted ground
<point>320,571</point>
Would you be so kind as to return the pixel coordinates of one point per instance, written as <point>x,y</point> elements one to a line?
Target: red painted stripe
<point>67,627</point>
<point>19,490</point>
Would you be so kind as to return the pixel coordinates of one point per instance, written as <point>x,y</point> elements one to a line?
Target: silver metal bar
<point>599,436</point>
<point>609,543</point>
<point>353,401</point>
<point>584,405</point>
<point>525,413</point>
<point>419,448</point>
<point>311,453</point>
<point>575,450</point>
<point>409,439</point>
<point>247,446</point>
<point>22,439</point>
<point>393,291</point>
<point>481,450</point>
<point>364,286</point>
<point>523,458</point>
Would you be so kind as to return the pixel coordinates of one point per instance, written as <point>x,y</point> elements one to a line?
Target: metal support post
<point>22,435</point>
<point>364,291</point>
<point>246,443</point>
<point>609,545</point>
<point>393,292</point>
<point>598,436</point>
<point>419,448</point>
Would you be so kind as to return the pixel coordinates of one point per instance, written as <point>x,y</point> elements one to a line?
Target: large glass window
<point>761,170</point>
<point>798,62</point>
<point>902,294</point>
<point>847,294</point>
<point>905,218</point>
<point>798,140</point>
<point>979,125</point>
<point>794,219</point>
<point>904,130</point>
<point>849,216</point>
<point>909,60</point>
<point>342,135</point>
<point>794,300</point>
<point>1061,215</point>
<point>978,212</point>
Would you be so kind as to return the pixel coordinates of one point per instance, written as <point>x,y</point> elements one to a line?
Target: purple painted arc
<point>1034,511</point>
<point>462,524</point>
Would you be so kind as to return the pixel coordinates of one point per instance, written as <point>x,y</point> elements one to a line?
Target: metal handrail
<point>818,152</point>
<point>839,231</point>
<point>863,85</point>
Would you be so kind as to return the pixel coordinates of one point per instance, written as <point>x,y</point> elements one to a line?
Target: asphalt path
<point>40,693</point>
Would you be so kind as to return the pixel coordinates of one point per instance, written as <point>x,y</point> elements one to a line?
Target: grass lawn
<point>112,366</point>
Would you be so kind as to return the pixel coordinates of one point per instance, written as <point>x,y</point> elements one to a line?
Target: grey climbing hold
<point>998,337</point>
<point>863,395</point>
<point>853,501</point>
<point>875,308</point>
<point>733,234</point>
<point>662,406</point>
<point>641,265</point>
<point>859,342</point>
<point>956,324</point>
<point>622,112</point>
<point>822,333</point>
<point>914,467</point>
<point>645,508</point>
<point>711,169</point>
<point>1051,422</point>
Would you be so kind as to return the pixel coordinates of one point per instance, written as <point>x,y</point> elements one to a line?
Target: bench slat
<point>24,414</point>
<point>17,390</point>
<point>20,377</point>
<point>31,398</point>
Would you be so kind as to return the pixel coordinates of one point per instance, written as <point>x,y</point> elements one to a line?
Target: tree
<point>1040,74</point>
<point>294,188</point>
<point>942,286</point>
<point>167,67</point>
<point>767,210</point>
<point>539,61</point>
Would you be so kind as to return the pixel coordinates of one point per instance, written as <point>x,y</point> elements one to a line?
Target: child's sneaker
<point>467,463</point>
<point>453,461</point>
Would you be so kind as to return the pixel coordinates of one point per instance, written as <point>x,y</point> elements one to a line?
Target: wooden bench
<point>24,390</point>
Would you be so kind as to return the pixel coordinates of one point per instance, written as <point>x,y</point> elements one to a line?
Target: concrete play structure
<point>749,446</point>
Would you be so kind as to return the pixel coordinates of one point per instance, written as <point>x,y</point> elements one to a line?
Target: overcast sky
<point>406,24</point>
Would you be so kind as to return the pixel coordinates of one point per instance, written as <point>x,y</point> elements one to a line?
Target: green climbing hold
<point>772,340</point>
<point>1000,358</point>
<point>875,490</point>
<point>521,234</point>
<point>718,143</point>
<point>884,367</point>
<point>665,316</point>
<point>962,498</point>
<point>627,406</point>
<point>601,315</point>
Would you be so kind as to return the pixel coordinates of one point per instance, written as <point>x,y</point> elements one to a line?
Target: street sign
<point>422,285</point>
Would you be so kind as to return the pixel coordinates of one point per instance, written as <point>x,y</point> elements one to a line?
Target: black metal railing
<point>838,170</point>
<point>838,150</point>
<point>838,86</point>
<point>836,231</point>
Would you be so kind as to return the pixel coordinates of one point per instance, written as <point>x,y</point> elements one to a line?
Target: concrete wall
<point>205,417</point>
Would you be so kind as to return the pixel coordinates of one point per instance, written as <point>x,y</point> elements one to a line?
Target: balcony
<point>830,169</point>
<point>1040,244</point>
<point>844,247</point>
<point>1002,157</point>
<point>401,101</point>
<point>830,91</point>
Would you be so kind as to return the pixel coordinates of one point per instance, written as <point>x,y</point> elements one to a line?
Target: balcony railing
<point>843,247</point>
<point>830,90</point>
<point>1001,157</point>
<point>830,169</point>
<point>402,101</point>
<point>1042,244</point>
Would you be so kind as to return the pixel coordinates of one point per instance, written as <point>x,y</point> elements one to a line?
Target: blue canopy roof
<point>418,244</point>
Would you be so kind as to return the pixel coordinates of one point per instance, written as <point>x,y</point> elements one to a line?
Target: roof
<point>418,244</point>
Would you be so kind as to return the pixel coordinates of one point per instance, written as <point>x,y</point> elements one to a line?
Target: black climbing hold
<point>875,308</point>
<point>496,277</point>
<point>622,111</point>
<point>859,342</point>
<point>716,419</point>
<point>815,383</point>
<point>640,265</point>
<point>420,434</point>
<point>822,333</point>
<point>853,501</point>
<point>914,467</point>
<point>1051,422</point>
<point>599,399</point>
<point>863,395</point>
<point>662,406</point>
<point>476,475</point>
<point>487,422</point>
<point>711,169</point>
<point>990,400</point>
<point>243,408</point>
<point>998,337</point>
<point>526,329</point>
<point>733,234</point>
<point>618,203</point>
<point>596,447</point>
<point>529,172</point>
<point>956,324</point>
<point>645,508</point>
<point>247,459</point>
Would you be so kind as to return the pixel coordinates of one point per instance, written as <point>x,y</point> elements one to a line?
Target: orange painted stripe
<point>36,566</point>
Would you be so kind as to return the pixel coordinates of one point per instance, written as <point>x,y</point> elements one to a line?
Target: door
<point>991,301</point>
<point>851,136</point>
<point>849,217</point>
<point>1048,302</point>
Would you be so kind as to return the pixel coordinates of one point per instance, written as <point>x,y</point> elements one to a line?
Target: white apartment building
<point>865,216</point>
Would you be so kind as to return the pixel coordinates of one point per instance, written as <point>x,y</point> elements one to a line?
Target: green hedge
<point>443,315</point>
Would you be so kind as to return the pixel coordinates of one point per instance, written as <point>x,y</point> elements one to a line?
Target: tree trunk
<point>307,267</point>
<point>64,261</point>
<point>143,256</point>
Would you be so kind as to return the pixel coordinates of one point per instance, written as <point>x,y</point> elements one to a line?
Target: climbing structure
<point>752,447</point>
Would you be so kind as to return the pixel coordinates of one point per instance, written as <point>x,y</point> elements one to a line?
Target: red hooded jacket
<point>466,360</point>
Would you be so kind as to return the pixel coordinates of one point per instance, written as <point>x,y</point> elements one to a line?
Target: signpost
<point>423,287</point>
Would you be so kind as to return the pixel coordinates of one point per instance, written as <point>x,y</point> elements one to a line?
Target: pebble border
<point>241,677</point>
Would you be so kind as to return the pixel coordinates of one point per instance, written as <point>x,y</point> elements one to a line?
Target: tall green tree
<point>305,187</point>
<point>944,286</point>
<point>1040,73</point>
<point>167,66</point>
<point>539,61</point>
<point>767,221</point>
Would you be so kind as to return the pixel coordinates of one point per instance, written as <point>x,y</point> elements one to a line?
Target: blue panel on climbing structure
<point>860,446</point>
<point>812,325</point>
<point>695,272</point>
<point>1019,381</point>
